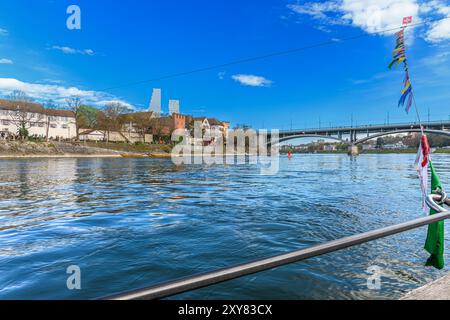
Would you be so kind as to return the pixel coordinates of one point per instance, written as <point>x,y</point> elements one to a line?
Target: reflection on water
<point>133,222</point>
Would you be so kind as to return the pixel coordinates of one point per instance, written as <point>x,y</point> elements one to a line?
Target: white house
<point>39,121</point>
<point>369,146</point>
<point>213,125</point>
<point>330,147</point>
<point>113,136</point>
<point>398,145</point>
<point>92,135</point>
<point>210,127</point>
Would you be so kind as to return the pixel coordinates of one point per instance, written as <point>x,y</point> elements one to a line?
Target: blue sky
<point>122,42</point>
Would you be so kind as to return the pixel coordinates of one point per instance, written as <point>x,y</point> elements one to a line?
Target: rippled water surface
<point>130,223</point>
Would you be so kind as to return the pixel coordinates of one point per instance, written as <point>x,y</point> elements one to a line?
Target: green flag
<point>435,238</point>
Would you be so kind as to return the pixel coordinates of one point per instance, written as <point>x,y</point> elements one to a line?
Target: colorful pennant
<point>399,56</point>
<point>406,94</point>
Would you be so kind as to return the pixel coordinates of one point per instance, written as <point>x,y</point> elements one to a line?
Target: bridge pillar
<point>353,150</point>
<point>352,136</point>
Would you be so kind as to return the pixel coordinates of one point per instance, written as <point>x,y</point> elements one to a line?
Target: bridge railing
<point>369,126</point>
<point>207,279</point>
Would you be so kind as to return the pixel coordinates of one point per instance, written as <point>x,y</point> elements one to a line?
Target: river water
<point>129,223</point>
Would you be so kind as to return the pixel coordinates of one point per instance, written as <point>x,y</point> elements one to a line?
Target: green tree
<point>23,133</point>
<point>380,143</point>
<point>87,117</point>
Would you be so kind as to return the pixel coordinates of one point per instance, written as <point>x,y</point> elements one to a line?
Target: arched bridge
<point>359,134</point>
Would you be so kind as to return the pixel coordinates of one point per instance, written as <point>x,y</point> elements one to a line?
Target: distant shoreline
<point>53,150</point>
<point>393,151</point>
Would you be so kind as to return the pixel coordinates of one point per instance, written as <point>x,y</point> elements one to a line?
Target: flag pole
<point>435,237</point>
<point>417,112</point>
<point>405,25</point>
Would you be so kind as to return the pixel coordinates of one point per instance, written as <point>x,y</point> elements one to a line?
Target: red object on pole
<point>407,20</point>
<point>425,150</point>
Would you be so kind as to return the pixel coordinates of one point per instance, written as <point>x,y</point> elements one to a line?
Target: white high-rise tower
<point>174,107</point>
<point>155,102</point>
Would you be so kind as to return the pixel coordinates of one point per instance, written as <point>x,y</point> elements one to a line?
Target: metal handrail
<point>210,278</point>
<point>370,126</point>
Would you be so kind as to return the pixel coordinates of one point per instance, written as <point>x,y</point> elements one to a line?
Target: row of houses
<point>61,124</point>
<point>39,121</point>
<point>157,127</point>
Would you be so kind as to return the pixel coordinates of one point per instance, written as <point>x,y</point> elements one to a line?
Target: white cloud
<point>122,102</point>
<point>3,32</point>
<point>317,10</point>
<point>322,28</point>
<point>6,61</point>
<point>324,12</point>
<point>57,93</point>
<point>251,80</point>
<point>53,81</point>
<point>66,50</point>
<point>221,75</point>
<point>376,77</point>
<point>379,15</point>
<point>69,50</point>
<point>439,30</point>
<point>89,52</point>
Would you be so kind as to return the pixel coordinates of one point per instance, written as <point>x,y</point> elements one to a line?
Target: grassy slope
<point>138,148</point>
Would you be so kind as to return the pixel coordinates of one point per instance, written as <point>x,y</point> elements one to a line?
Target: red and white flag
<point>407,20</point>
<point>422,161</point>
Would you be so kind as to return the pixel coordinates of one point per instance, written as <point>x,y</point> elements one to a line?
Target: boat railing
<point>187,284</point>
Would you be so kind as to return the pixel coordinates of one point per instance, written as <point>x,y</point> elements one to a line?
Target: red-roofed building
<point>39,121</point>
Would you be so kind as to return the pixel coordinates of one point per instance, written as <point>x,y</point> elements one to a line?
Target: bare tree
<point>50,104</point>
<point>47,129</point>
<point>142,122</point>
<point>109,119</point>
<point>24,120</point>
<point>74,105</point>
<point>19,95</point>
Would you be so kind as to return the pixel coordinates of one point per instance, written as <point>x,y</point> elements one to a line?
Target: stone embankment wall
<point>19,148</point>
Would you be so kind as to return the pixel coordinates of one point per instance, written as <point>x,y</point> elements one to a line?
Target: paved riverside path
<point>437,290</point>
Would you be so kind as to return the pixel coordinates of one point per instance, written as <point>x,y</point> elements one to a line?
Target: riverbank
<point>142,148</point>
<point>34,149</point>
<point>30,149</point>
